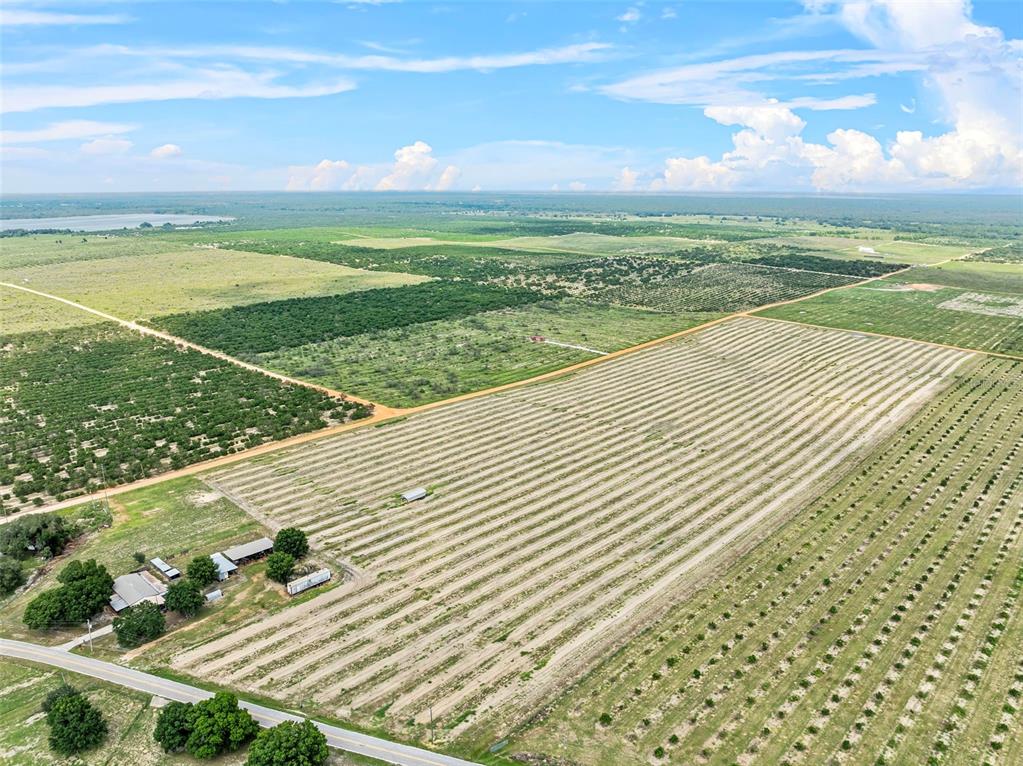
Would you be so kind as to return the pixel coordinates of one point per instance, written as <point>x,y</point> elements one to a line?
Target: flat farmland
<point>888,249</point>
<point>25,312</point>
<point>561,517</point>
<point>881,625</point>
<point>193,279</point>
<point>933,313</point>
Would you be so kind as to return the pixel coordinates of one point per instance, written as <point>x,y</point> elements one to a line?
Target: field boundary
<point>383,414</point>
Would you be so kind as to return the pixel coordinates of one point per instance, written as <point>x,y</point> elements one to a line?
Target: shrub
<point>44,611</point>
<point>139,624</point>
<point>219,726</point>
<point>75,725</point>
<point>174,726</point>
<point>296,744</point>
<point>279,566</point>
<point>292,541</point>
<point>185,597</point>
<point>11,576</point>
<point>64,690</point>
<point>203,571</point>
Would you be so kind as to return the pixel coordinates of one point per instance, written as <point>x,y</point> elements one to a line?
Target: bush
<point>11,576</point>
<point>185,597</point>
<point>296,744</point>
<point>44,611</point>
<point>292,541</point>
<point>279,566</point>
<point>36,534</point>
<point>219,726</point>
<point>174,726</point>
<point>75,725</point>
<point>139,624</point>
<point>86,589</point>
<point>203,571</point>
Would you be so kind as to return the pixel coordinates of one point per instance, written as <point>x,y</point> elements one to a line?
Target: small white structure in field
<point>867,250</point>
<point>224,565</point>
<point>165,569</point>
<point>414,494</point>
<point>134,588</point>
<point>309,581</point>
<point>214,595</point>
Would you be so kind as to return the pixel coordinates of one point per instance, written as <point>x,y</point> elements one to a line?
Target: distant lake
<point>105,222</point>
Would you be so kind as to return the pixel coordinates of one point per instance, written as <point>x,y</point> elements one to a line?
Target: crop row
<point>541,542</point>
<point>869,630</point>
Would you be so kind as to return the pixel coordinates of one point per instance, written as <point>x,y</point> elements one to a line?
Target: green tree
<point>185,597</point>
<point>11,576</point>
<point>139,624</point>
<point>279,566</point>
<point>203,570</point>
<point>293,541</point>
<point>64,690</point>
<point>219,726</point>
<point>75,725</point>
<point>44,611</point>
<point>174,726</point>
<point>291,743</point>
<point>43,534</point>
<point>86,589</point>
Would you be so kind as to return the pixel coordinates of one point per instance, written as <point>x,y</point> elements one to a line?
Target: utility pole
<point>431,724</point>
<point>88,622</point>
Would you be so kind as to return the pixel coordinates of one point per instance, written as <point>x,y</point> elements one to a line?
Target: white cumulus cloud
<point>166,152</point>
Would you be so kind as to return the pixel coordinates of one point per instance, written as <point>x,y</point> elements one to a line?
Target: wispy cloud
<point>16,17</point>
<point>201,84</point>
<point>63,131</point>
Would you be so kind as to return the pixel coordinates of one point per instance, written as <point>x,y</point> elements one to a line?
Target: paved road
<point>351,741</point>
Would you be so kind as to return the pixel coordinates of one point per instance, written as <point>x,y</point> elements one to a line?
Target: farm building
<point>134,588</point>
<point>225,567</point>
<point>413,494</point>
<point>309,581</point>
<point>239,554</point>
<point>165,569</point>
<point>214,595</point>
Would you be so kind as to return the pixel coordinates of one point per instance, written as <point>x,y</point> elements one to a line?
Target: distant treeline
<point>262,327</point>
<point>856,268</point>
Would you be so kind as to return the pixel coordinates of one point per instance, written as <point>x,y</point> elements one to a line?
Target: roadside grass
<point>882,307</point>
<point>194,279</point>
<point>432,361</point>
<point>24,312</point>
<point>131,720</point>
<point>174,520</point>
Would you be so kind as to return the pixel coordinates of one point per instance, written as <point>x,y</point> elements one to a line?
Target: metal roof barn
<point>309,581</point>
<point>224,565</point>
<point>250,550</point>
<point>414,494</point>
<point>134,588</point>
<point>165,569</point>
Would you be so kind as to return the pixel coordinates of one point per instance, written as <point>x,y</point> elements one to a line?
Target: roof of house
<point>224,565</point>
<point>131,589</point>
<point>414,494</point>
<point>246,550</point>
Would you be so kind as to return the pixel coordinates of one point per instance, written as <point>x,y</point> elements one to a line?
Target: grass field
<point>423,363</point>
<point>889,249</point>
<point>174,520</point>
<point>24,312</point>
<point>45,249</point>
<point>129,716</point>
<point>881,625</point>
<point>560,517</point>
<point>975,275</point>
<point>134,287</point>
<point>886,307</point>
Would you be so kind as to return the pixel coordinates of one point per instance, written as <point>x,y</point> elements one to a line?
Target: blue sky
<point>822,95</point>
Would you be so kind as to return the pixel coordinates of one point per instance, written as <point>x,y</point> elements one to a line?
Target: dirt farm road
<point>342,739</point>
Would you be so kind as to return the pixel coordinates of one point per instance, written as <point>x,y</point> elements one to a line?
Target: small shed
<point>225,567</point>
<point>413,494</point>
<point>309,581</point>
<point>165,569</point>
<point>134,588</point>
<point>251,550</point>
<point>214,595</point>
